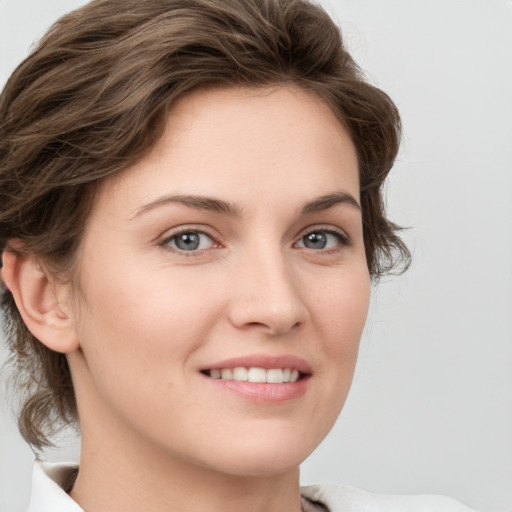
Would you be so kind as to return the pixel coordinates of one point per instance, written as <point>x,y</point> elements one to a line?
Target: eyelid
<point>345,240</point>
<point>163,240</point>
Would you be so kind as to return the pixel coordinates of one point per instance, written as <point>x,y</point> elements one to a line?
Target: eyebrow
<point>208,204</point>
<point>213,205</point>
<point>329,200</point>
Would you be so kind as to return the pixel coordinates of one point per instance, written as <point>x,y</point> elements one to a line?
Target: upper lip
<point>263,361</point>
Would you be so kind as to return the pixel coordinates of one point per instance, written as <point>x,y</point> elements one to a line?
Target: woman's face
<point>236,243</point>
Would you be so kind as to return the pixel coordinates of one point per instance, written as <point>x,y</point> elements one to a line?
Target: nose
<point>267,295</point>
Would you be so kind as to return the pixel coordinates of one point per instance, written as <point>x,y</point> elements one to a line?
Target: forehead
<point>240,143</point>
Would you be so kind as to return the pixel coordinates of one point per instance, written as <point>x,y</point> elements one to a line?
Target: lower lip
<point>263,392</point>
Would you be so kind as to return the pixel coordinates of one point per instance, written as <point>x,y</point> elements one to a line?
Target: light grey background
<point>431,406</point>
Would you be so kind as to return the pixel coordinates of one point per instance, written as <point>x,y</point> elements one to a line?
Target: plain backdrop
<point>431,406</point>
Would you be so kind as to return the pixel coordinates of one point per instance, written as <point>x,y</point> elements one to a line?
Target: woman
<point>191,216</point>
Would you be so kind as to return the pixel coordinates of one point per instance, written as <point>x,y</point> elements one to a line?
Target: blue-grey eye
<point>190,241</point>
<point>321,239</point>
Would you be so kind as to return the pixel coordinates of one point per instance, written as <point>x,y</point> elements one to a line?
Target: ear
<point>41,301</point>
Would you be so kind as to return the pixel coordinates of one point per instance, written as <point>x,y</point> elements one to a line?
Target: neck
<point>112,477</point>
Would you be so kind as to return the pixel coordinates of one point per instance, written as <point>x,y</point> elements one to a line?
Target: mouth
<point>261,378</point>
<point>256,374</point>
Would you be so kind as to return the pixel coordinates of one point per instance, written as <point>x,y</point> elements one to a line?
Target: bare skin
<point>238,236</point>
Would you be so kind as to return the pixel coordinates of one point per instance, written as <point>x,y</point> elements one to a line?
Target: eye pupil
<point>315,240</point>
<point>188,241</point>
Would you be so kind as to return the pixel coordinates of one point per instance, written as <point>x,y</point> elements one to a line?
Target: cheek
<point>137,336</point>
<point>341,308</point>
<point>132,321</point>
<point>339,316</point>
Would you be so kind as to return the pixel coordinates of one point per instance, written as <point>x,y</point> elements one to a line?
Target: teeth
<point>227,374</point>
<point>257,375</point>
<point>240,373</point>
<point>260,375</point>
<point>275,376</point>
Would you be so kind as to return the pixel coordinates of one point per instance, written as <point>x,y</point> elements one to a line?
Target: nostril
<point>276,308</point>
<point>273,328</point>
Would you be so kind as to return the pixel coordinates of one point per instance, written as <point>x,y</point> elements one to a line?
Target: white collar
<point>49,495</point>
<point>48,487</point>
<point>345,498</point>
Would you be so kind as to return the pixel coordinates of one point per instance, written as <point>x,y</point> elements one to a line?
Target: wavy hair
<point>93,97</point>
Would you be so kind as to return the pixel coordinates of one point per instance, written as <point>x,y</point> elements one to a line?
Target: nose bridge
<point>267,295</point>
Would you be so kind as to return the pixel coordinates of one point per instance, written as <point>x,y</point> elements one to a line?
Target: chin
<point>264,456</point>
<point>261,464</point>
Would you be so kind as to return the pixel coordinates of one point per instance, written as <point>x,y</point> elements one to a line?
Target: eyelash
<point>343,240</point>
<point>165,243</point>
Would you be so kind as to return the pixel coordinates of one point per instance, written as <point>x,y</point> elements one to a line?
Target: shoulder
<point>344,498</point>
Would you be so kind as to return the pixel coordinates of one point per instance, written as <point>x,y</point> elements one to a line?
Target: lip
<point>263,361</point>
<point>263,393</point>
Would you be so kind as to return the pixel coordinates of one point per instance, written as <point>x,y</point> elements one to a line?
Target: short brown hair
<point>93,97</point>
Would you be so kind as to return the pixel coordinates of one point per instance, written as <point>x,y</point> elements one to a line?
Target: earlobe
<point>37,297</point>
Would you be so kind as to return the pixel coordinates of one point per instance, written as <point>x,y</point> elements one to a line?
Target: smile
<point>255,374</point>
<point>261,378</point>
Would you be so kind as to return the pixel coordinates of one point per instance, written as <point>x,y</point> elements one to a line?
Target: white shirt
<point>48,495</point>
